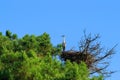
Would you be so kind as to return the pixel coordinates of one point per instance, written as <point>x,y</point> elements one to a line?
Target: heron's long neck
<point>64,39</point>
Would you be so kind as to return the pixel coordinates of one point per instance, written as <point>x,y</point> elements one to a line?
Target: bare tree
<point>91,52</point>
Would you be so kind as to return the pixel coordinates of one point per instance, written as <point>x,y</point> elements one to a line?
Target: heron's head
<point>63,35</point>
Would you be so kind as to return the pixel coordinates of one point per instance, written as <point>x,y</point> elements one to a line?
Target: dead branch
<point>90,51</point>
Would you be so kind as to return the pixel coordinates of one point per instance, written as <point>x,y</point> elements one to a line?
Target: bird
<point>63,43</point>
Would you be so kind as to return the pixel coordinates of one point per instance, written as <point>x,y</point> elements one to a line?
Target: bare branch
<point>90,52</point>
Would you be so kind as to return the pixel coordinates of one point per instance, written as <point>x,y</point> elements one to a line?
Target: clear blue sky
<point>69,17</point>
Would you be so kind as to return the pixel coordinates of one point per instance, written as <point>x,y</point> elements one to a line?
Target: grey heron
<point>63,43</point>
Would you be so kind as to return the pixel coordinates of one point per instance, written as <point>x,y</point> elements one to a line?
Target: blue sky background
<point>69,17</point>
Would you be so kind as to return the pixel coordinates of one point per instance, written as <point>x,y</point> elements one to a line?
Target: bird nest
<point>76,56</point>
